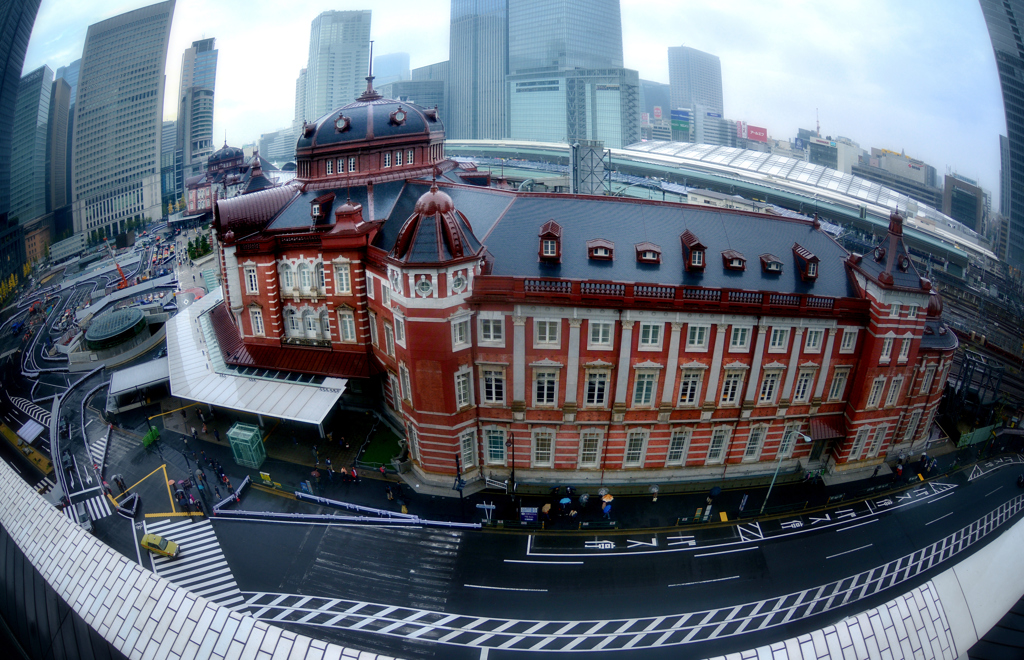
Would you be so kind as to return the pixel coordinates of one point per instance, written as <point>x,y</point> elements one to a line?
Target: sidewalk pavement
<point>291,461</point>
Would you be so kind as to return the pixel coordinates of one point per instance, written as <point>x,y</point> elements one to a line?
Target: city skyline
<point>940,104</point>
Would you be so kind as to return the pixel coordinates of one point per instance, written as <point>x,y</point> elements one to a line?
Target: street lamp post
<point>778,464</point>
<point>511,444</point>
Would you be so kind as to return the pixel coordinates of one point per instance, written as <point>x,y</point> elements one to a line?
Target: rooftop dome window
<point>648,253</point>
<point>601,249</point>
<point>806,263</point>
<point>771,264</point>
<point>550,242</point>
<point>693,251</point>
<point>733,260</point>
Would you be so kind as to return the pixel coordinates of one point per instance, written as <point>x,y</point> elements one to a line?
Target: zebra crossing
<point>98,447</point>
<point>97,506</point>
<point>44,485</point>
<point>200,566</point>
<point>37,413</point>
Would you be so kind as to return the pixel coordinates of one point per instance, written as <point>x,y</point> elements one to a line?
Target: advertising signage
<point>681,121</point>
<point>716,115</point>
<point>757,133</point>
<point>657,112</point>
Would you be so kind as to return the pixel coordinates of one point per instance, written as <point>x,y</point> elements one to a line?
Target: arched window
<point>321,284</point>
<point>311,325</point>
<point>325,325</point>
<point>287,277</point>
<point>305,277</point>
<point>293,326</point>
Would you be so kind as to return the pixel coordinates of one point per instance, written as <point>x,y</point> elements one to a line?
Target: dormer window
<point>693,251</point>
<point>648,253</point>
<point>601,249</point>
<point>771,264</point>
<point>806,263</point>
<point>321,206</point>
<point>316,210</point>
<point>550,242</point>
<point>733,260</point>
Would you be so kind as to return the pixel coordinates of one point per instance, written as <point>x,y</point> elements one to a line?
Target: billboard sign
<point>645,118</point>
<point>681,121</point>
<point>657,112</point>
<point>756,133</point>
<point>716,115</point>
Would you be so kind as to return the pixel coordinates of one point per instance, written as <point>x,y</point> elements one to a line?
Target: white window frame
<point>409,155</point>
<point>389,339</point>
<point>739,339</point>
<point>904,353</point>
<point>723,434</point>
<point>256,319</point>
<point>857,449</point>
<point>634,453</point>
<point>912,311</point>
<point>491,331</point>
<point>305,278</point>
<point>837,388</point>
<point>463,388</point>
<point>347,326</point>
<point>494,445</point>
<point>330,166</point>
<point>779,340</point>
<point>803,385</point>
<point>645,386</point>
<point>369,286</point>
<point>875,394</point>
<point>788,441</point>
<point>584,461</point>
<point>286,275</point>
<point>403,373</point>
<point>398,158</point>
<point>549,247</point>
<point>928,379</point>
<point>697,338</point>
<point>467,448</point>
<point>912,424</point>
<point>678,446</point>
<point>351,163</point>
<point>492,385</point>
<point>341,166</point>
<point>252,281</point>
<point>542,338</point>
<point>651,334</point>
<point>460,333</point>
<point>755,443</point>
<point>602,376</point>
<point>877,439</point>
<point>737,392</point>
<point>292,323</point>
<point>400,331</point>
<point>387,159</point>
<point>605,331</point>
<point>894,310</point>
<point>691,383</point>
<point>769,388</point>
<point>385,294</point>
<point>886,354</point>
<point>550,376</point>
<point>342,279</point>
<point>373,328</point>
<point>849,341</point>
<point>895,388</point>
<point>697,258</point>
<point>813,340</point>
<point>536,458</point>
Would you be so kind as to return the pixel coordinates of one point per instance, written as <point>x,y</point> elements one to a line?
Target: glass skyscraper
<point>1004,18</point>
<point>557,35</point>
<point>196,95</point>
<point>477,64</point>
<point>119,120</point>
<point>28,146</point>
<point>694,78</point>
<point>339,58</point>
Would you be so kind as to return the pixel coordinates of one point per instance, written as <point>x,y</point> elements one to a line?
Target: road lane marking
<point>849,551</point>
<point>940,518</point>
<point>530,561</point>
<point>939,498</point>
<point>483,586</point>
<point>989,493</point>
<point>843,529</point>
<point>725,552</point>
<point>687,584</point>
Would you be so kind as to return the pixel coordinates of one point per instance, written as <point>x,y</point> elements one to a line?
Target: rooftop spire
<point>370,94</point>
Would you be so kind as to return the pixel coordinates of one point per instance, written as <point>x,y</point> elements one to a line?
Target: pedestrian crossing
<point>37,413</point>
<point>98,447</point>
<point>44,485</point>
<point>97,506</point>
<point>200,566</point>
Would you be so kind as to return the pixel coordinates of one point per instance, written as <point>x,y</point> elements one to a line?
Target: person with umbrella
<point>606,509</point>
<point>715,492</point>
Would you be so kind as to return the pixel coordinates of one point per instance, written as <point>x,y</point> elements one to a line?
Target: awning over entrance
<point>822,428</point>
<point>198,373</point>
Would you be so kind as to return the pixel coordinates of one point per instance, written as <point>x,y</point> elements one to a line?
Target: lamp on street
<point>778,463</point>
<point>511,444</point>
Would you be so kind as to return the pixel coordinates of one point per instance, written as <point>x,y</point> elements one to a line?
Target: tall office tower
<point>566,81</point>
<point>57,145</point>
<point>339,57</point>
<point>390,68</point>
<point>16,19</point>
<point>300,97</point>
<point>1004,176</point>
<point>477,65</point>
<point>196,93</point>
<point>28,146</point>
<point>171,187</point>
<point>69,74</point>
<point>1004,18</point>
<point>694,78</point>
<point>118,120</point>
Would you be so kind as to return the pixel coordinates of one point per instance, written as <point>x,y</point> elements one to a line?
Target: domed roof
<point>225,153</point>
<point>934,305</point>
<point>436,232</point>
<point>434,201</point>
<point>370,117</point>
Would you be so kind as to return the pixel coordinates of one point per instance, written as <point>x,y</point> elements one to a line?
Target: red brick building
<point>596,339</point>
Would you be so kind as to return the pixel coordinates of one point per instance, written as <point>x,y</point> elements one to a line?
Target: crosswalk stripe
<point>201,567</point>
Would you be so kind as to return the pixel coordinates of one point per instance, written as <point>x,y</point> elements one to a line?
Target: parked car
<point>159,545</point>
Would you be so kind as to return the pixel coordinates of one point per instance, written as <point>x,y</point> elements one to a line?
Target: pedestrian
<point>383,472</point>
<point>328,461</point>
<point>203,454</point>
<point>387,491</point>
<point>216,491</point>
<point>201,418</point>
<point>344,474</point>
<point>607,511</point>
<point>877,468</point>
<point>330,474</point>
<point>355,476</point>
<point>216,434</point>
<point>204,429</point>
<point>193,432</point>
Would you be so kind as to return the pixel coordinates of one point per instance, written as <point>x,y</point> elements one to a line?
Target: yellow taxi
<point>159,545</point>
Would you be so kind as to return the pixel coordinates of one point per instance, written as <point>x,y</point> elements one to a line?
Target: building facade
<point>28,147</point>
<point>339,57</point>
<point>476,70</point>
<point>391,67</point>
<point>196,95</point>
<point>964,200</point>
<point>560,345</point>
<point>424,93</point>
<point>57,145</point>
<point>695,78</point>
<point>116,171</point>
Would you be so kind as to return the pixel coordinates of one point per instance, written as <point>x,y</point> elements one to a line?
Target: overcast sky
<point>913,75</point>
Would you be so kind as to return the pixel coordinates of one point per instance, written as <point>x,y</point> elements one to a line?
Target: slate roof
<point>937,336</point>
<point>371,120</point>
